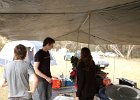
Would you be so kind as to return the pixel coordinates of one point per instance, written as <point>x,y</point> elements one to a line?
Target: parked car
<point>98,59</point>
<point>68,56</point>
<point>110,54</point>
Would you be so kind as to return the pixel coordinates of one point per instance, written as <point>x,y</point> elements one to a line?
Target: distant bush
<point>3,40</point>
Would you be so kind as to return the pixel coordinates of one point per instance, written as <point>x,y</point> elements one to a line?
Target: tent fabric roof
<point>86,21</point>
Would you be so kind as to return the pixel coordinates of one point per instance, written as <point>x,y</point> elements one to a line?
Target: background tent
<point>87,21</point>
<point>7,53</point>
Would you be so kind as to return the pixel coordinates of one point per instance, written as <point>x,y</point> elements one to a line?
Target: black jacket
<point>86,81</point>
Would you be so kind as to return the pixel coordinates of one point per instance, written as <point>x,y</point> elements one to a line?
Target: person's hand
<point>49,80</point>
<point>76,98</point>
<point>31,91</point>
<point>3,83</point>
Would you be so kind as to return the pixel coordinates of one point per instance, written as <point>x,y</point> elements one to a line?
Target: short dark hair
<point>20,52</point>
<point>48,40</point>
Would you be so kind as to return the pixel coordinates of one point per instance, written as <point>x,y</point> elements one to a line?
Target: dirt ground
<point>118,68</point>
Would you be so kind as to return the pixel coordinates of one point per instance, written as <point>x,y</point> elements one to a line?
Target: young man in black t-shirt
<point>42,69</point>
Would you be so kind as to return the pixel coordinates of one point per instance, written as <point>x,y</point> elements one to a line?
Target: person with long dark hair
<point>86,76</point>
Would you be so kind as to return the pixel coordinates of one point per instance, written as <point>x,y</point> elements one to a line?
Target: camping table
<point>70,90</point>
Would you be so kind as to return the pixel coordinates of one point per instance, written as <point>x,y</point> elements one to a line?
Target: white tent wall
<point>7,53</point>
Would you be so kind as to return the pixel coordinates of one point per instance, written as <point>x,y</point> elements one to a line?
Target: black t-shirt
<point>44,58</point>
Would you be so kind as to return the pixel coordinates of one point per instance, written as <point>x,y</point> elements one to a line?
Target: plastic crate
<point>56,83</point>
<point>69,83</point>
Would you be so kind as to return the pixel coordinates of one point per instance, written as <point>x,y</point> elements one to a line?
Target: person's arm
<point>32,75</point>
<point>35,83</point>
<point>39,73</point>
<point>76,98</point>
<point>80,79</point>
<point>3,83</point>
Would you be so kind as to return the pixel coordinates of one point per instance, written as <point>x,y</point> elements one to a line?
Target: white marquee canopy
<point>86,21</point>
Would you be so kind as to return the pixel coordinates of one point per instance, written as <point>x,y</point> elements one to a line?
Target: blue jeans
<point>102,94</point>
<point>43,91</point>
